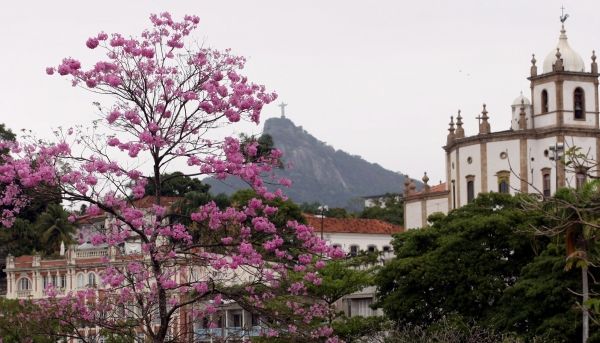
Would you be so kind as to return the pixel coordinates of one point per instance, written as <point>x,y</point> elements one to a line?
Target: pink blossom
<point>92,43</point>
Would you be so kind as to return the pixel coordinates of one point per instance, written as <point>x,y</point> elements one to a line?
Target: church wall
<point>362,240</point>
<point>412,219</point>
<point>497,164</point>
<point>536,148</point>
<point>545,120</point>
<point>590,104</point>
<point>453,176</point>
<point>437,205</point>
<point>472,169</point>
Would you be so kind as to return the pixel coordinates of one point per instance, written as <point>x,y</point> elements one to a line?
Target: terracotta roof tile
<point>438,188</point>
<point>353,225</point>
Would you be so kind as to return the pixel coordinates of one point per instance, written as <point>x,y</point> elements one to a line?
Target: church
<point>561,113</point>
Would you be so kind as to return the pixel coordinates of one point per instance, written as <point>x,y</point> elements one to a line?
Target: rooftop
<point>353,225</point>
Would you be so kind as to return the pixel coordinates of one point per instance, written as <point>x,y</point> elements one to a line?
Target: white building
<point>354,235</point>
<point>562,113</point>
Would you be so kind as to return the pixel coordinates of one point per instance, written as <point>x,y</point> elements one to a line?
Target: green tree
<point>5,135</point>
<point>391,211</point>
<point>54,227</point>
<point>310,208</point>
<point>542,303</point>
<point>337,212</point>
<point>177,184</point>
<point>13,329</point>
<point>460,265</point>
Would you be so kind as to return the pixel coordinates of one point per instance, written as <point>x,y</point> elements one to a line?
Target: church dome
<point>571,59</point>
<point>517,101</point>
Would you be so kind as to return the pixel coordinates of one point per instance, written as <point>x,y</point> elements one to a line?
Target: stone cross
<point>479,117</point>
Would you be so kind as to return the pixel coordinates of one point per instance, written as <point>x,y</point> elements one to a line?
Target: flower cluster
<point>168,97</point>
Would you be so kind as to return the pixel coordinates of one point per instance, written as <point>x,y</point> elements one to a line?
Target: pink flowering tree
<point>167,95</point>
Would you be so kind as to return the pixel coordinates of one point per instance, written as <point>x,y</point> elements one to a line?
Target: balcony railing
<point>91,253</point>
<point>24,293</point>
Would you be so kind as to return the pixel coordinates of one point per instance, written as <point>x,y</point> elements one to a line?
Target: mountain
<point>319,172</point>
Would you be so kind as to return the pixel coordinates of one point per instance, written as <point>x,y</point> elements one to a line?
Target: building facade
<point>561,113</point>
<point>356,235</point>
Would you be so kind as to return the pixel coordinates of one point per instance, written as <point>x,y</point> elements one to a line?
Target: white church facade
<point>562,114</point>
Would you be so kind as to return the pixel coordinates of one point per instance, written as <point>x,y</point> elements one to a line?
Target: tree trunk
<point>585,327</point>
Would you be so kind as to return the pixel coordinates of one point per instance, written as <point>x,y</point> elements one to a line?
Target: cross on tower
<point>563,16</point>
<point>479,117</point>
<point>282,105</point>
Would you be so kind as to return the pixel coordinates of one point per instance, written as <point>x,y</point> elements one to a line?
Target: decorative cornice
<point>574,75</point>
<point>427,195</point>
<point>536,133</point>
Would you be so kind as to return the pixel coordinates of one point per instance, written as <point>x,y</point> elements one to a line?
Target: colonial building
<point>560,113</point>
<point>354,235</point>
<point>80,267</point>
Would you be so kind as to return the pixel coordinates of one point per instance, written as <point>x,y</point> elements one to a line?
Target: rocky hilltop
<point>319,172</point>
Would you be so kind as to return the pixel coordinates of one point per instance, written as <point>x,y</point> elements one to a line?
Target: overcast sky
<point>378,79</point>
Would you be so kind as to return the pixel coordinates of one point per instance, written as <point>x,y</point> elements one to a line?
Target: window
<point>371,248</point>
<point>24,284</point>
<point>544,101</point>
<point>453,194</point>
<point>360,307</point>
<point>546,183</point>
<point>578,104</point>
<point>236,320</point>
<point>470,188</point>
<point>80,280</point>
<point>353,250</point>
<point>386,248</point>
<point>63,281</point>
<point>92,280</point>
<point>503,182</point>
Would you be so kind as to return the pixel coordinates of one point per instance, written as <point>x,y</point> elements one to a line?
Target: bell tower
<point>564,94</point>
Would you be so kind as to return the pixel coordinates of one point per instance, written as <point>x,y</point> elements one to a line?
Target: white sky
<point>377,79</point>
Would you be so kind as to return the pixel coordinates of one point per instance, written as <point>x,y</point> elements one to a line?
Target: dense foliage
<point>390,210</point>
<point>482,264</point>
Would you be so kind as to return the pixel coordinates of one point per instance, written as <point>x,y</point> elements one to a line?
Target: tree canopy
<point>459,265</point>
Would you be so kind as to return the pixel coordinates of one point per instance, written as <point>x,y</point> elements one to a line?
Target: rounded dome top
<point>517,101</point>
<point>571,59</point>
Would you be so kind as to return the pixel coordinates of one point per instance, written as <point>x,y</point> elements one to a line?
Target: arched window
<point>578,104</point>
<point>92,280</point>
<point>544,101</point>
<point>546,183</point>
<point>503,182</point>
<point>24,284</point>
<point>80,280</point>
<point>470,188</point>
